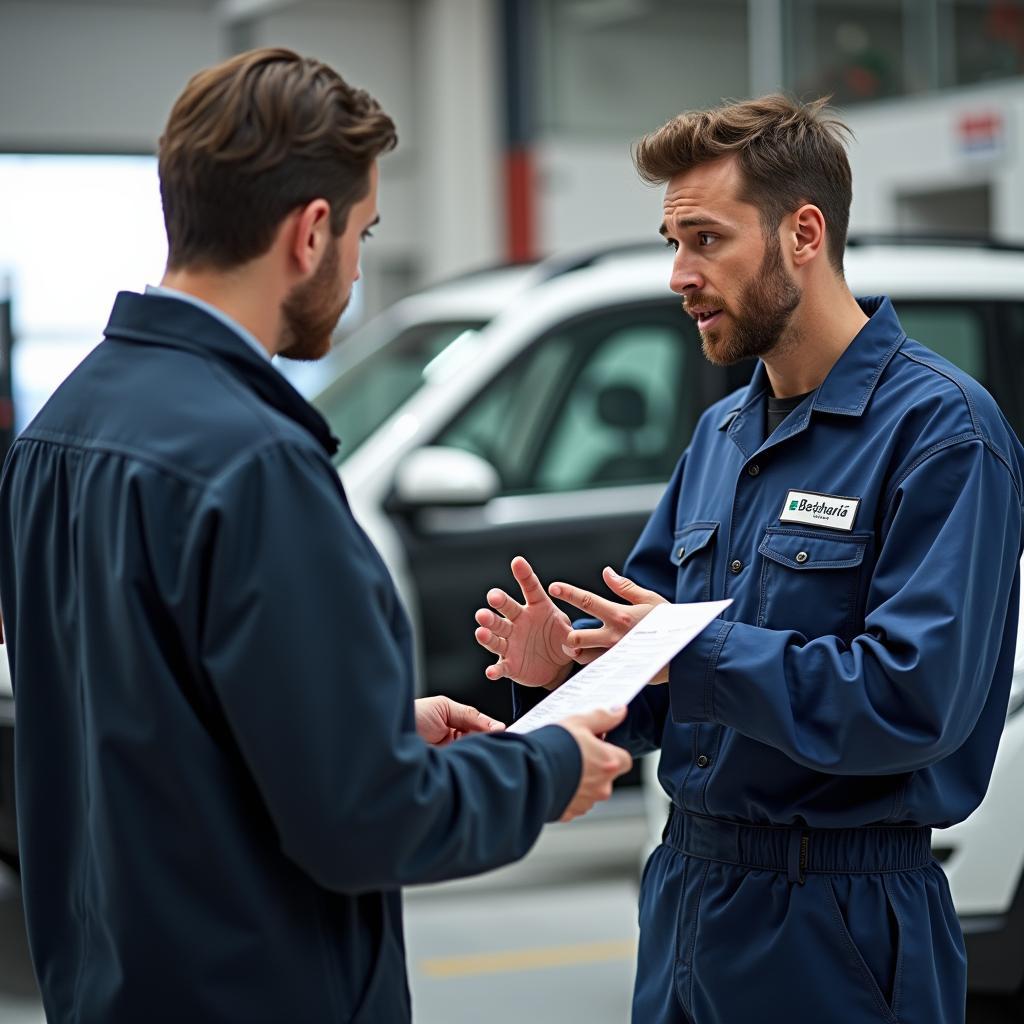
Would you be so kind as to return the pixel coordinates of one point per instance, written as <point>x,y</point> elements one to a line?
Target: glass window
<point>617,425</point>
<point>955,332</point>
<point>366,394</point>
<point>1007,373</point>
<point>502,425</point>
<point>74,231</point>
<point>617,68</point>
<point>852,50</point>
<point>987,38</point>
<point>986,339</point>
<point>608,399</point>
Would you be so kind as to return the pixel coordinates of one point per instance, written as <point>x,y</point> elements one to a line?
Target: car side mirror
<point>444,476</point>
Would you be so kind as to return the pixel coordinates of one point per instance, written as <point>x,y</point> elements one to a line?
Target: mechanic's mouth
<point>705,317</point>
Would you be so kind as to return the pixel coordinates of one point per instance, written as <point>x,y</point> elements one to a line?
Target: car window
<point>500,426</point>
<point>986,339</point>
<point>955,332</point>
<point>366,394</point>
<point>618,423</point>
<point>605,399</point>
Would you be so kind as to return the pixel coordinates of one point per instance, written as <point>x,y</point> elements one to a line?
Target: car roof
<point>905,267</point>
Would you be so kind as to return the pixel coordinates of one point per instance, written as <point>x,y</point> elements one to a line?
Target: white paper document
<point>621,673</point>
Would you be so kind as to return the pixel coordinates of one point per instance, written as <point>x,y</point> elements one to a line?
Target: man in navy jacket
<point>222,776</point>
<point>860,502</point>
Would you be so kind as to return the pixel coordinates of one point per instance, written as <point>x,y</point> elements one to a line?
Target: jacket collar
<point>171,323</point>
<point>846,390</point>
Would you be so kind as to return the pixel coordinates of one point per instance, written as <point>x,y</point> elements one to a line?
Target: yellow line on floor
<point>534,959</point>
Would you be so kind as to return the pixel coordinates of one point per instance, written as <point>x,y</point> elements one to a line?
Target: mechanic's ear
<point>808,237</point>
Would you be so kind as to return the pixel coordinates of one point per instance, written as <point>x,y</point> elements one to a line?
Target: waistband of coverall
<point>797,851</point>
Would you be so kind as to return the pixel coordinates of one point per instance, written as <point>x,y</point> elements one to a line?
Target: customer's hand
<point>441,720</point>
<point>602,762</point>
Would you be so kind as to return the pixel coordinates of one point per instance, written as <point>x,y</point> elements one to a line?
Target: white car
<point>541,410</point>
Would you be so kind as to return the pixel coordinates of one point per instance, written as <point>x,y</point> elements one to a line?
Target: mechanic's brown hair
<point>252,139</point>
<point>789,153</point>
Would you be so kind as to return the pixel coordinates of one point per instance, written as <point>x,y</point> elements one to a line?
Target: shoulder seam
<point>54,437</point>
<point>263,445</point>
<point>950,442</point>
<point>948,376</point>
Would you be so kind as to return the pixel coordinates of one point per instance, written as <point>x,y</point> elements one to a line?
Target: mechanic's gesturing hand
<point>441,720</point>
<point>587,645</point>
<point>529,638</point>
<point>535,642</point>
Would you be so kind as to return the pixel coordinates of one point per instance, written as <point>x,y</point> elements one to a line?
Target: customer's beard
<point>765,309</point>
<point>311,312</point>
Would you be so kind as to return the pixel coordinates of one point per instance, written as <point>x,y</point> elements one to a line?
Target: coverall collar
<point>162,320</point>
<point>844,392</point>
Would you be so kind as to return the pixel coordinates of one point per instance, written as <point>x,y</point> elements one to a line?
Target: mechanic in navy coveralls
<point>222,778</point>
<point>860,502</point>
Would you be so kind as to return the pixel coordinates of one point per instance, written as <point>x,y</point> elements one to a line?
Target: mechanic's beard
<point>311,312</point>
<point>765,310</point>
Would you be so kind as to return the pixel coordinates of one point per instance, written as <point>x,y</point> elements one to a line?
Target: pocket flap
<point>812,551</point>
<point>691,539</point>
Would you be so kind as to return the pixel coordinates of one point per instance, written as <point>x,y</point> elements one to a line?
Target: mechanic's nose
<point>685,277</point>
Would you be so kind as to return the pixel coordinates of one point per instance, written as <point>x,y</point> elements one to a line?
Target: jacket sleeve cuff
<point>562,754</point>
<point>691,675</point>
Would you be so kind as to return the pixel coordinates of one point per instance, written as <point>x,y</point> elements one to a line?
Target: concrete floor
<point>551,939</point>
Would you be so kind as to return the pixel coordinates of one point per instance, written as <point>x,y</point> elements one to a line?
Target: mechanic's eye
<point>705,238</point>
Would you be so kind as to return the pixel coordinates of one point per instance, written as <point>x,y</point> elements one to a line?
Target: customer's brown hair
<point>789,154</point>
<point>252,139</point>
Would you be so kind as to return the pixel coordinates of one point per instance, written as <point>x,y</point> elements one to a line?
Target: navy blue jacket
<point>862,673</point>
<point>219,784</point>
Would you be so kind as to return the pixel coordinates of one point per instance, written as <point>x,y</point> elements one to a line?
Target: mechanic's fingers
<point>632,592</point>
<point>490,641</point>
<point>583,656</point>
<point>527,580</point>
<point>501,602</point>
<point>497,670</point>
<point>495,623</point>
<point>604,638</point>
<point>584,600</point>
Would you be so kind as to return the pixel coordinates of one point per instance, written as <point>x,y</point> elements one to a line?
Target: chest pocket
<point>811,582</point>
<point>692,548</point>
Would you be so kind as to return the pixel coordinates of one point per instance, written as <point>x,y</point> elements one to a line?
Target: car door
<point>583,430</point>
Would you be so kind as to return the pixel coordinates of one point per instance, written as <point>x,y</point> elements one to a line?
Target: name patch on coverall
<point>819,510</point>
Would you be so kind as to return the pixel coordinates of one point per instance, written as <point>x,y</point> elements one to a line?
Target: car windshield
<point>367,393</point>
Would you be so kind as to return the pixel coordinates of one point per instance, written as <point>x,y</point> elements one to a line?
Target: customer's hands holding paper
<point>603,762</point>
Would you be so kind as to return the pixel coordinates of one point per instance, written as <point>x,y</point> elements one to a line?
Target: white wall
<point>94,77</point>
<point>589,194</point>
<point>914,146</point>
<point>101,76</point>
<point>459,197</point>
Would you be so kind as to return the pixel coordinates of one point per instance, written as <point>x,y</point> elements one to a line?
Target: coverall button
<point>736,565</point>
<point>702,761</point>
<point>801,557</point>
<point>753,470</point>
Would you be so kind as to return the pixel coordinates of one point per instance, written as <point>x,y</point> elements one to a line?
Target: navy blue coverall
<point>852,699</point>
<point>219,783</point>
